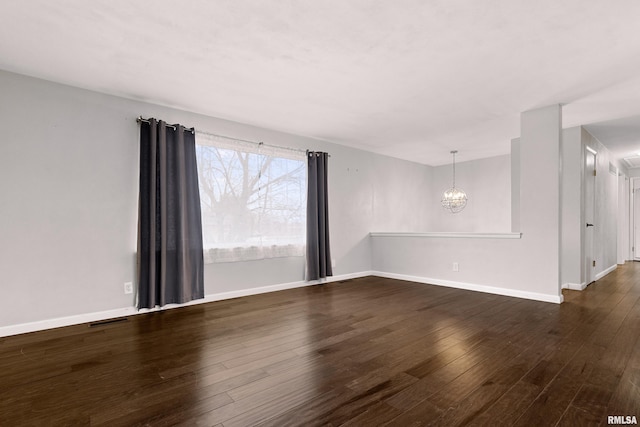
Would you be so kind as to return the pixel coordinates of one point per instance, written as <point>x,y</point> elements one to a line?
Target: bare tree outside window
<point>253,201</point>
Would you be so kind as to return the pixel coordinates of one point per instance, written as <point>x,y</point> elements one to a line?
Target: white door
<point>636,223</point>
<point>589,214</point>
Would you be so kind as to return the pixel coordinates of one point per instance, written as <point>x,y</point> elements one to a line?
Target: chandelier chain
<point>454,169</point>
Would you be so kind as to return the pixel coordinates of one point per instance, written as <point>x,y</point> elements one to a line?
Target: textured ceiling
<point>409,78</point>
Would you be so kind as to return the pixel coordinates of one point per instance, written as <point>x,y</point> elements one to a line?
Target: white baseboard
<point>274,288</point>
<point>605,272</point>
<point>40,325</point>
<point>130,311</point>
<point>582,286</point>
<point>58,322</point>
<point>575,286</point>
<point>473,287</point>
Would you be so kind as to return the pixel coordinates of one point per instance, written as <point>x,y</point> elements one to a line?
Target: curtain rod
<point>297,150</point>
<point>139,119</point>
<point>192,130</point>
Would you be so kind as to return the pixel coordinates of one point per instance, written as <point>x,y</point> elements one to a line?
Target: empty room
<point>342,213</point>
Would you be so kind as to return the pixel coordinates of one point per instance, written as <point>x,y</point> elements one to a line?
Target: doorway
<point>589,214</point>
<point>636,220</point>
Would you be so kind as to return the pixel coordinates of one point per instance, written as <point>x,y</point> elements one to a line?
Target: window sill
<point>252,253</point>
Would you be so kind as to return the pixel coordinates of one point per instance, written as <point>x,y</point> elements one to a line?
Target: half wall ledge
<point>448,234</point>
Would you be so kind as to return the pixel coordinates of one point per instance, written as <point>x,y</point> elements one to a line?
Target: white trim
<point>131,311</point>
<point>274,288</point>
<point>59,322</point>
<point>575,286</point>
<point>582,286</point>
<point>77,319</point>
<point>342,277</point>
<point>450,234</point>
<point>473,287</point>
<point>605,272</point>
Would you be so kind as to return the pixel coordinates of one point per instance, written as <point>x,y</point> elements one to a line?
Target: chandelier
<point>454,199</point>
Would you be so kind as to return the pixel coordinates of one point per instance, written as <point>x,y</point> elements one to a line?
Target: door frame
<point>634,241</point>
<point>589,216</point>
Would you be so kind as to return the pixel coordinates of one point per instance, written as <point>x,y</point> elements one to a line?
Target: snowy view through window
<point>253,200</point>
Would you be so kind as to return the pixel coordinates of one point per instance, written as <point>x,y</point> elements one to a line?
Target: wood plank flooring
<point>363,352</point>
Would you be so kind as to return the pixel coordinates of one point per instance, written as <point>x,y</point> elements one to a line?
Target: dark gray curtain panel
<point>318,252</point>
<point>170,255</point>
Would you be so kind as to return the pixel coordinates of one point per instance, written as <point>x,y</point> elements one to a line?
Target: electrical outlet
<point>456,267</point>
<point>128,288</point>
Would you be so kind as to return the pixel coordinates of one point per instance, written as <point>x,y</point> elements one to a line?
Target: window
<point>253,200</point>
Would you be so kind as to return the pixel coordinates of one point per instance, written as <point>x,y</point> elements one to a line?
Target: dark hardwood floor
<point>363,352</point>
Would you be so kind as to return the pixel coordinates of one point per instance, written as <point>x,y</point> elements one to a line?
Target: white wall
<point>487,183</point>
<point>623,218</point>
<point>68,191</point>
<point>572,208</point>
<point>515,184</point>
<point>401,201</point>
<point>528,267</point>
<point>68,171</point>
